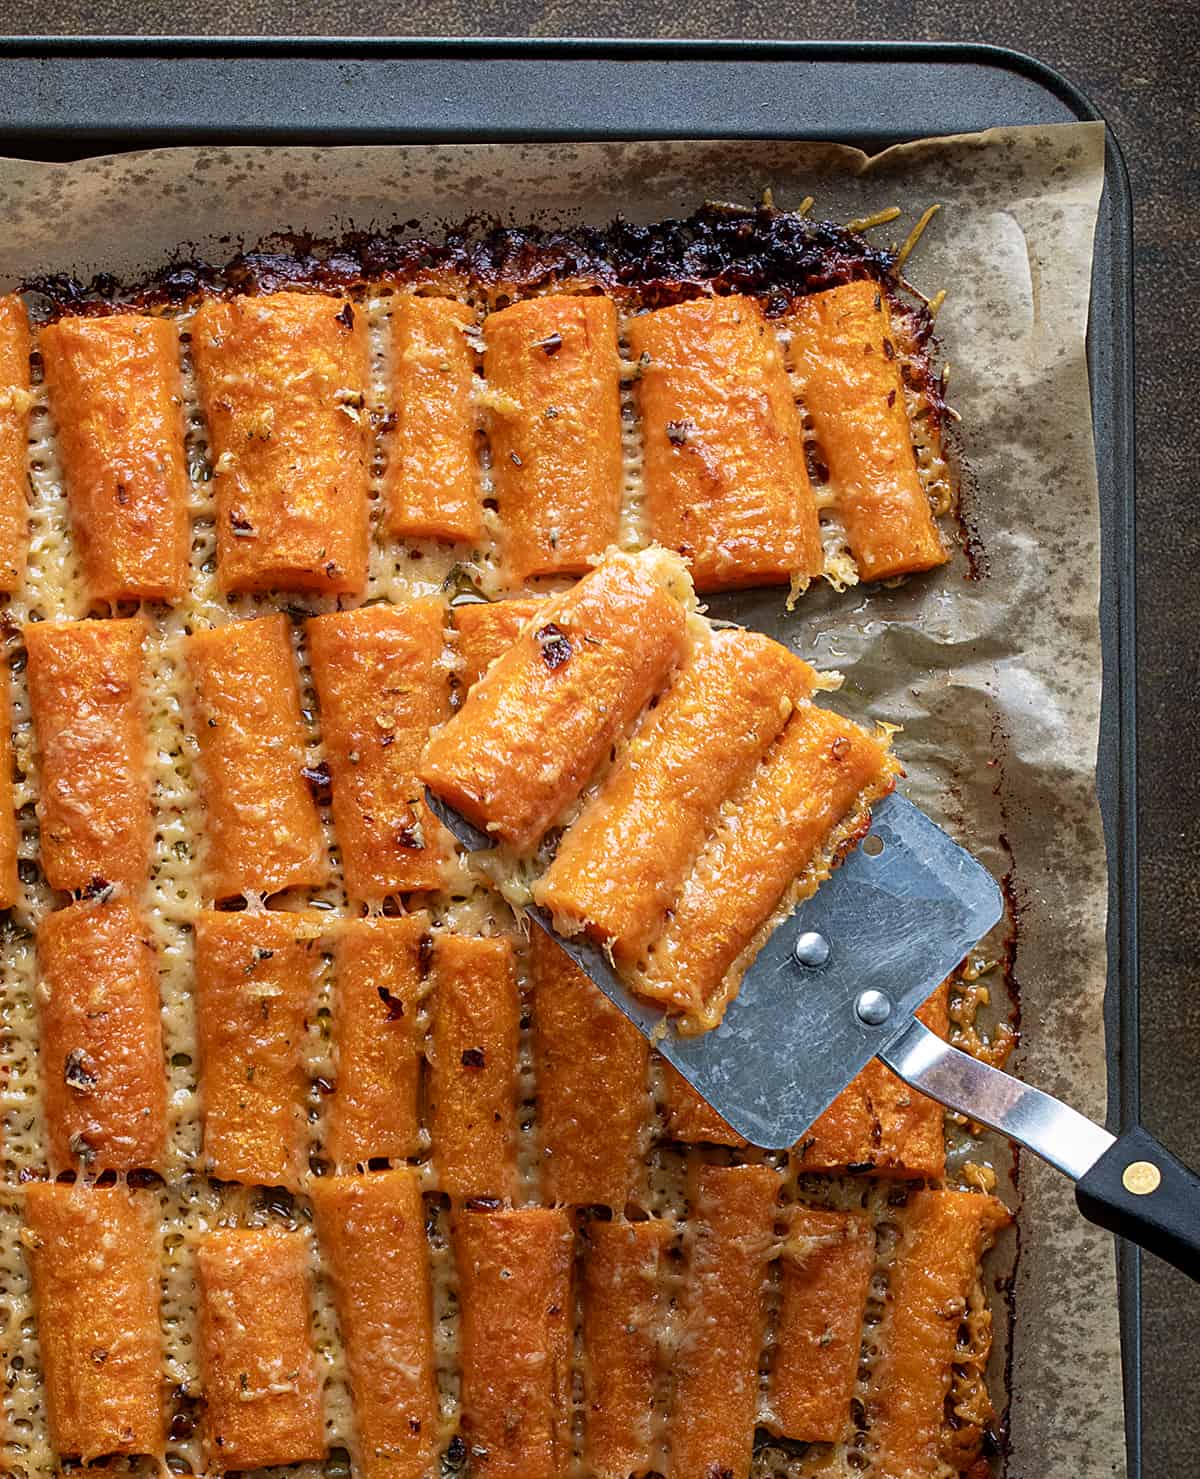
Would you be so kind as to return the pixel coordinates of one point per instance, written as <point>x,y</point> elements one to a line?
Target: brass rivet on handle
<point>1141,1178</point>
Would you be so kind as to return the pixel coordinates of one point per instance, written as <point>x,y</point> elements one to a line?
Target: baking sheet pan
<point>72,98</point>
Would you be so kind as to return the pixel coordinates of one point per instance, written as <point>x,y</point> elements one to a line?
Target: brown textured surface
<point>1130,60</point>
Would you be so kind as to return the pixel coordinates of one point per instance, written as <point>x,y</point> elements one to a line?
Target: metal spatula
<point>837,984</point>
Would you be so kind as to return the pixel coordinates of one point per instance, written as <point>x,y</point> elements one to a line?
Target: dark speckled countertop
<point>1130,59</point>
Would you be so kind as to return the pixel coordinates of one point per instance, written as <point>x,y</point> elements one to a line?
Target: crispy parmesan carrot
<point>850,384</point>
<point>10,883</point>
<point>117,399</point>
<point>104,1090</point>
<point>432,481</point>
<point>821,771</point>
<point>283,382</point>
<point>531,732</point>
<point>826,1271</point>
<point>473,1061</point>
<point>372,1229</point>
<point>620,866</point>
<point>590,1063</point>
<point>624,1305</point>
<point>715,1400</point>
<point>945,1235</point>
<point>16,400</point>
<point>691,1118</point>
<point>553,379</point>
<point>262,1394</point>
<point>85,695</point>
<point>380,964</point>
<point>878,1124</point>
<point>94,1260</point>
<point>262,827</point>
<point>382,685</point>
<point>255,981</point>
<point>514,1275</point>
<point>485,629</point>
<point>725,476</point>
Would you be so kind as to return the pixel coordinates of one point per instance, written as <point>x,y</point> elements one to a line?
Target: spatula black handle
<point>1139,1190</point>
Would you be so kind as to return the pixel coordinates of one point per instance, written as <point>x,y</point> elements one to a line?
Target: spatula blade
<point>898,915</point>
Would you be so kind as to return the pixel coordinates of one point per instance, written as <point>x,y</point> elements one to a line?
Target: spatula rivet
<point>811,948</point>
<point>873,1008</point>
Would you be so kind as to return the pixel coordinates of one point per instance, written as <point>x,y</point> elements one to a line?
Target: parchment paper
<point>996,681</point>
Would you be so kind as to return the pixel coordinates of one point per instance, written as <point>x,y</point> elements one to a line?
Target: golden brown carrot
<point>590,1063</point>
<point>255,982</point>
<point>619,867</point>
<point>533,730</point>
<point>821,771</point>
<point>10,884</point>
<point>263,831</point>
<point>473,1058</point>
<point>878,1124</point>
<point>93,1253</point>
<point>372,1230</point>
<point>624,1304</point>
<point>380,964</point>
<point>283,383</point>
<point>725,475</point>
<point>484,630</point>
<point>691,1118</point>
<point>432,480</point>
<point>262,1395</point>
<point>86,698</point>
<point>514,1277</point>
<point>850,383</point>
<point>104,1089</point>
<point>382,685</point>
<point>117,399</point>
<point>945,1236</point>
<point>16,400</point>
<point>715,1400</point>
<point>554,380</point>
<point>826,1272</point>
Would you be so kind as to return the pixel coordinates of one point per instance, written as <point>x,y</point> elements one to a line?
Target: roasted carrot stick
<point>104,1089</point>
<point>432,481</point>
<point>821,770</point>
<point>10,884</point>
<point>850,384</point>
<point>620,866</point>
<point>945,1235</point>
<point>16,399</point>
<point>514,1276</point>
<point>255,981</point>
<point>624,1305</point>
<point>484,630</point>
<point>283,382</point>
<point>715,1400</point>
<point>262,1394</point>
<point>826,1272</point>
<point>85,694</point>
<point>590,1064</point>
<point>373,1112</point>
<point>533,730</point>
<point>878,1124</point>
<point>117,399</point>
<point>93,1256</point>
<point>725,475</point>
<point>473,1053</point>
<point>554,379</point>
<point>382,685</point>
<point>262,827</point>
<point>372,1229</point>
